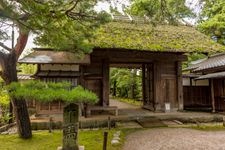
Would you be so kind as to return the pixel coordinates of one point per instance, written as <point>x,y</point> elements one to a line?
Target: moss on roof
<point>164,38</point>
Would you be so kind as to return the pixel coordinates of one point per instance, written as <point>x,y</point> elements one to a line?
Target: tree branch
<point>73,7</point>
<point>21,42</point>
<point>80,15</point>
<point>5,47</point>
<point>2,58</point>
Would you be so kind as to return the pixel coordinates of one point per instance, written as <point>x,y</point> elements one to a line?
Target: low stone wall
<point>104,122</point>
<point>82,124</point>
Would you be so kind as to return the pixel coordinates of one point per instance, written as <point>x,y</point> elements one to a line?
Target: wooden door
<point>169,92</point>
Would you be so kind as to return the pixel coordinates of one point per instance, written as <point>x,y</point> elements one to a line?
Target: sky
<point>106,7</point>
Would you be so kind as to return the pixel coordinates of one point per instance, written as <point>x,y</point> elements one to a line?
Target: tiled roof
<point>212,76</point>
<point>213,62</point>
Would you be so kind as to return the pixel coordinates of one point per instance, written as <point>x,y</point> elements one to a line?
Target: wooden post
<point>50,124</point>
<point>105,140</point>
<point>157,96</point>
<point>143,84</point>
<point>180,86</point>
<point>105,82</point>
<point>81,78</point>
<point>212,95</point>
<point>109,123</point>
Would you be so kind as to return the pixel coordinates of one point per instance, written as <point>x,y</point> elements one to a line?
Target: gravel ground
<point>122,105</point>
<point>175,139</point>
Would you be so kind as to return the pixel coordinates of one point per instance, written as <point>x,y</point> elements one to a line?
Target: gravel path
<point>175,139</point>
<point>122,105</point>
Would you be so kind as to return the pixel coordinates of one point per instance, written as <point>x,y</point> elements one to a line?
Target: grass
<point>91,139</point>
<point>42,140</point>
<point>129,101</point>
<point>209,127</point>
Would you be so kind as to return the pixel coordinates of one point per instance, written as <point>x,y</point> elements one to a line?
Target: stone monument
<point>70,127</point>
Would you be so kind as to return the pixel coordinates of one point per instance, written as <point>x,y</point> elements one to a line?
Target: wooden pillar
<point>157,88</point>
<point>212,95</point>
<point>81,78</point>
<point>180,86</point>
<point>143,84</point>
<point>105,82</point>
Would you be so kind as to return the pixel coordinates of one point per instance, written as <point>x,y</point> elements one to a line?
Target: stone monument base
<point>80,148</point>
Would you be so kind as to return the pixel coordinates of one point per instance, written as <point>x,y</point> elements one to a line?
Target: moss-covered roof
<point>163,38</point>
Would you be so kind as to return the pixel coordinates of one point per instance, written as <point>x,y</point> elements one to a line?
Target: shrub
<point>4,106</point>
<point>48,92</point>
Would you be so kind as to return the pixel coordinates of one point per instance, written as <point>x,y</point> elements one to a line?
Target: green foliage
<point>4,106</point>
<point>60,24</point>
<point>48,92</point>
<point>193,57</point>
<point>212,20</point>
<point>161,11</point>
<point>27,69</point>
<point>128,83</point>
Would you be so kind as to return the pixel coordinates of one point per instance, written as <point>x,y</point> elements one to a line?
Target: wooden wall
<point>96,79</point>
<point>197,97</point>
<point>219,93</point>
<point>161,81</point>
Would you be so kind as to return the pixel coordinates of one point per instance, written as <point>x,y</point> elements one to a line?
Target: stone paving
<point>175,139</point>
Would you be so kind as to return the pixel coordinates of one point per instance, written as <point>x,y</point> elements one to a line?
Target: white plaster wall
<point>186,82</point>
<point>58,67</point>
<point>200,82</point>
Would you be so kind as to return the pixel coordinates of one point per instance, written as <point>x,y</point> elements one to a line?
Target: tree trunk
<point>9,74</point>
<point>22,118</point>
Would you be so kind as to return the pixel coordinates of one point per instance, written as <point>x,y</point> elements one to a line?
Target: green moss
<point>209,127</point>
<point>160,38</point>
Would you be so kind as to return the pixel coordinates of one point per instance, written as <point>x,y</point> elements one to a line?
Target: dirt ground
<point>175,139</point>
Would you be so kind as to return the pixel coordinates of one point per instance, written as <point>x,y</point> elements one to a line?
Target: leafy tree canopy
<point>61,24</point>
<point>47,92</point>
<point>161,11</point>
<point>212,20</point>
<point>126,82</point>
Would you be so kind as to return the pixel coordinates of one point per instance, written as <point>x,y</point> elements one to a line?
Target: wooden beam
<point>180,86</point>
<point>105,82</point>
<point>136,56</point>
<point>212,95</point>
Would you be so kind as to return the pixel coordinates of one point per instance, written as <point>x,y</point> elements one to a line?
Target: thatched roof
<point>48,56</point>
<point>163,38</point>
